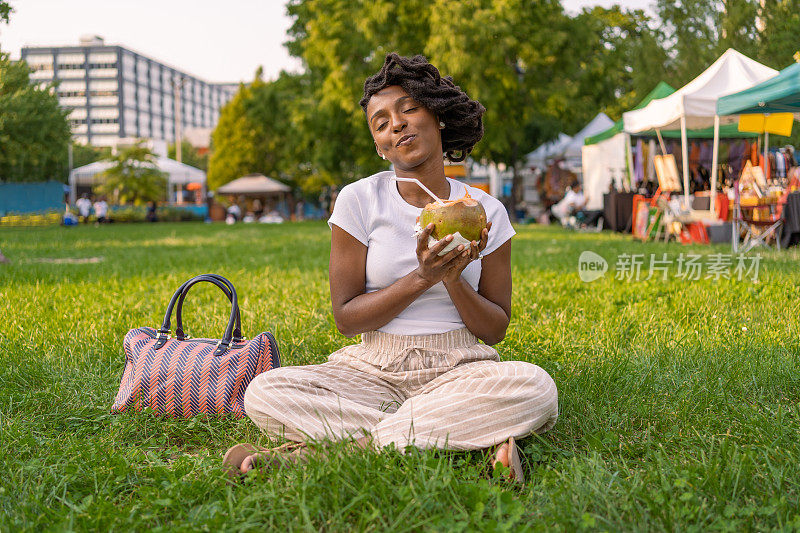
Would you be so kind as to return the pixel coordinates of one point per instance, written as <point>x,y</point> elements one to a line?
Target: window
<point>105,127</point>
<point>144,102</point>
<point>106,113</point>
<point>127,66</point>
<point>103,58</point>
<point>103,85</point>
<point>78,113</point>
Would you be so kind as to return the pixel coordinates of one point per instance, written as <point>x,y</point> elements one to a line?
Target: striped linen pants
<point>443,391</point>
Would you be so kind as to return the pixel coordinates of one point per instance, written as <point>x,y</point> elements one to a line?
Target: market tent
<point>695,104</point>
<point>779,94</point>
<point>572,151</point>
<point>603,162</point>
<point>254,185</point>
<point>544,153</point>
<point>659,91</point>
<point>606,156</point>
<point>178,175</point>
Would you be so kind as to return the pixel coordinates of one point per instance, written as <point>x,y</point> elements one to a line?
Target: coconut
<point>464,218</point>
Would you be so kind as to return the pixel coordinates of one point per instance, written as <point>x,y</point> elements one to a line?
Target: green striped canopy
<point>779,94</point>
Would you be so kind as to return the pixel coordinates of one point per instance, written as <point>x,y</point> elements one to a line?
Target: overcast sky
<point>217,41</point>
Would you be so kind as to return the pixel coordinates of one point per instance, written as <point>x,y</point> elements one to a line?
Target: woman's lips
<point>408,139</point>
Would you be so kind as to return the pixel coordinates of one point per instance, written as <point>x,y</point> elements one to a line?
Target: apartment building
<point>113,92</point>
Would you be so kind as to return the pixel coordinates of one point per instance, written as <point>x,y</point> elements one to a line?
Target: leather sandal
<point>514,462</point>
<point>515,472</point>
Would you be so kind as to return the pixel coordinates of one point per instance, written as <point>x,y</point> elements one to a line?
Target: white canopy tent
<point>178,175</point>
<point>573,149</point>
<point>603,162</point>
<point>547,151</point>
<point>694,106</point>
<point>254,184</point>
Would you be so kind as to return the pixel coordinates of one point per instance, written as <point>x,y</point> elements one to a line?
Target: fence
<point>36,197</point>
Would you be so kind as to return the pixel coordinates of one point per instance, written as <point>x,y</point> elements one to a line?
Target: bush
<point>32,219</point>
<point>135,213</point>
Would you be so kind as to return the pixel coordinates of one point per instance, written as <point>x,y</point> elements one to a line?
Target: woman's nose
<point>399,124</point>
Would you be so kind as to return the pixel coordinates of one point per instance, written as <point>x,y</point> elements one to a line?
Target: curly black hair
<point>422,81</point>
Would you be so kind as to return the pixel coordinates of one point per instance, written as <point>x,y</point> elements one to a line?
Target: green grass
<point>673,417</point>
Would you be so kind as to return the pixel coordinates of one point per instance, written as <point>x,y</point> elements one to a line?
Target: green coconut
<point>465,216</point>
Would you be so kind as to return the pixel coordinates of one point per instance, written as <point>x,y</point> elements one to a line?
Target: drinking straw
<point>424,188</point>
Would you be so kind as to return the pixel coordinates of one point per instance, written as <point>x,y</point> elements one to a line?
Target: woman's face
<point>405,132</point>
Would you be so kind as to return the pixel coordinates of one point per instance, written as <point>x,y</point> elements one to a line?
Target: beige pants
<point>443,391</point>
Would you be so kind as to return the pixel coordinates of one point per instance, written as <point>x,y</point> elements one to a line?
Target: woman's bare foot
<point>289,453</point>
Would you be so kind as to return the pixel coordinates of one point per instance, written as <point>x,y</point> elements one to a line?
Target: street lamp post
<point>177,88</point>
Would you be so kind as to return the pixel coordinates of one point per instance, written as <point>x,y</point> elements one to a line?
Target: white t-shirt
<point>84,205</point>
<point>100,208</point>
<point>372,211</point>
<point>570,201</point>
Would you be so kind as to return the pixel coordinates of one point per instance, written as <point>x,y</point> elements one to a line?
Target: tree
<point>778,36</point>
<point>5,11</point>
<point>341,43</point>
<point>84,154</point>
<point>134,177</point>
<point>189,155</point>
<point>34,131</point>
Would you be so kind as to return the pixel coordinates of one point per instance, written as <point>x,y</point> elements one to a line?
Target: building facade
<point>113,92</point>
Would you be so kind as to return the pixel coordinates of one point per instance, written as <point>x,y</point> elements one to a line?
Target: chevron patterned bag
<point>181,377</point>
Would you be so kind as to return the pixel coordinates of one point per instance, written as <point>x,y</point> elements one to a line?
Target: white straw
<point>424,188</point>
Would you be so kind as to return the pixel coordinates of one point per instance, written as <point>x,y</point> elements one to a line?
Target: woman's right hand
<point>433,268</point>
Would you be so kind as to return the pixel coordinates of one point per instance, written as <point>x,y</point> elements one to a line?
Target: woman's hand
<point>433,268</point>
<point>457,266</point>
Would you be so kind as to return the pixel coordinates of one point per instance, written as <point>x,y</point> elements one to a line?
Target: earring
<point>441,125</point>
<point>383,156</point>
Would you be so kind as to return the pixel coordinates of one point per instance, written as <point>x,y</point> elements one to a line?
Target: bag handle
<point>225,342</point>
<point>227,288</point>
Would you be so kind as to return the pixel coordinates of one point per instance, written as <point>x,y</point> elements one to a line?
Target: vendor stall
<point>767,100</point>
<point>695,105</point>
<point>180,177</point>
<point>573,149</point>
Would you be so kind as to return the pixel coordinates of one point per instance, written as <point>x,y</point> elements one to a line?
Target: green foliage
<point>164,213</point>
<point>34,131</point>
<point>189,155</point>
<point>672,418</point>
<point>254,133</point>
<point>84,154</point>
<point>134,177</point>
<point>536,69</point>
<point>5,11</point>
<point>778,41</point>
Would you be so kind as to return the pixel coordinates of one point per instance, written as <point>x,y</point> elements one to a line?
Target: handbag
<point>181,376</point>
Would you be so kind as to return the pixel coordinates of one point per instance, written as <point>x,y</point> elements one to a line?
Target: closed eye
<point>411,109</point>
<point>381,126</point>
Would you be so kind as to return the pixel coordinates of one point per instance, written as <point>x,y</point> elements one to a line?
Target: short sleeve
<point>501,225</point>
<point>349,215</point>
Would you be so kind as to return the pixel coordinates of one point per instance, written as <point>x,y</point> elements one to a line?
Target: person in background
<point>234,210</point>
<point>572,202</point>
<point>101,210</point>
<point>84,206</point>
<point>151,212</point>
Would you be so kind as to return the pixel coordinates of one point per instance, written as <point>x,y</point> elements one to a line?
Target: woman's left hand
<point>458,264</point>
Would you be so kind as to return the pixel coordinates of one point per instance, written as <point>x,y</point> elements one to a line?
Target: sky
<point>216,41</point>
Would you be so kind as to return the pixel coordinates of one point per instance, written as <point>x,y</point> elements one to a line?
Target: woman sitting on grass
<point>419,376</point>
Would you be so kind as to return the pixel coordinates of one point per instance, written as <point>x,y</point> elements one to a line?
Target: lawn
<point>679,398</point>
